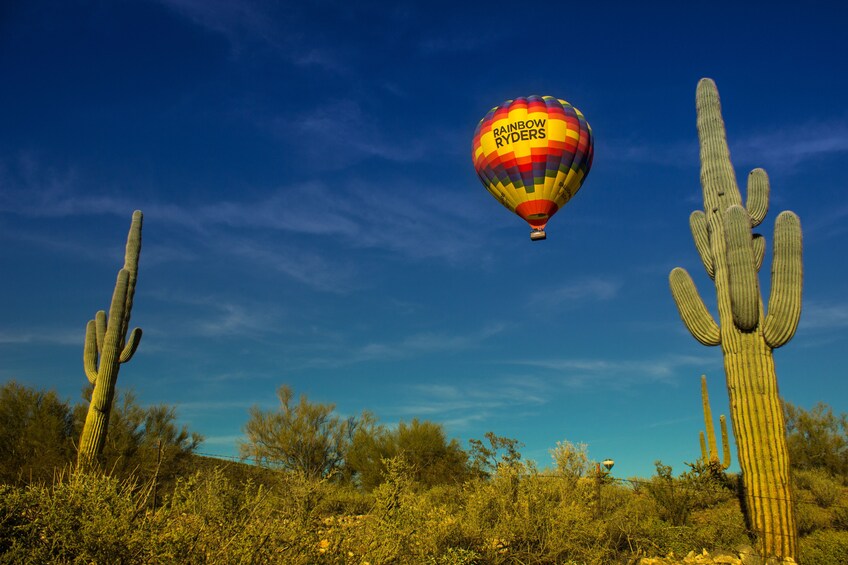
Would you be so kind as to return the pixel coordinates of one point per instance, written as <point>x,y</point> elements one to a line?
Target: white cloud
<point>215,316</point>
<point>585,373</point>
<point>237,21</point>
<point>459,406</point>
<point>43,336</point>
<point>784,148</point>
<point>577,291</point>
<point>792,146</point>
<point>425,343</point>
<point>823,316</point>
<point>402,217</point>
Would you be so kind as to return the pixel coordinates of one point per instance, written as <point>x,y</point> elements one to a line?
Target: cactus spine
<point>709,449</point>
<point>106,347</point>
<point>732,256</point>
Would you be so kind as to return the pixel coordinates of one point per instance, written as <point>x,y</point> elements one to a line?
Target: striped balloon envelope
<point>533,154</point>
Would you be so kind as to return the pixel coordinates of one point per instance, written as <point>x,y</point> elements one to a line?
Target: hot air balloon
<point>533,154</point>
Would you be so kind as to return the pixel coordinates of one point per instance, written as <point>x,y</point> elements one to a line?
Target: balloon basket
<point>538,235</point>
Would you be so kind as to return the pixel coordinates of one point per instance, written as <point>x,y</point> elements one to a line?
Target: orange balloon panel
<point>533,154</point>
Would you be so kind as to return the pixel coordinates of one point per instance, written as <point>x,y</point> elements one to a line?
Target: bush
<point>821,501</point>
<point>83,518</point>
<point>825,547</point>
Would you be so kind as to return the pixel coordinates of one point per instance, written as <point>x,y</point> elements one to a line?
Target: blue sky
<point>312,216</point>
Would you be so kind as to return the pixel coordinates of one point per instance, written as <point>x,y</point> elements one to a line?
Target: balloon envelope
<point>533,154</point>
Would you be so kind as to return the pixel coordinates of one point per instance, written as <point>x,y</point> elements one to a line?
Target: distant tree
<point>493,451</point>
<point>571,460</point>
<point>817,438</point>
<point>434,459</point>
<point>143,441</point>
<point>36,431</point>
<point>429,456</point>
<point>304,437</point>
<point>372,444</point>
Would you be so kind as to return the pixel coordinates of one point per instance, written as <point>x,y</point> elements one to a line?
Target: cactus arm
<point>89,355</point>
<point>700,233</point>
<point>743,284</point>
<point>717,177</point>
<point>784,306</point>
<point>759,243</point>
<point>725,462</point>
<point>131,346</point>
<point>708,420</point>
<point>133,250</point>
<point>704,456</point>
<point>100,325</point>
<point>692,310</point>
<point>758,196</point>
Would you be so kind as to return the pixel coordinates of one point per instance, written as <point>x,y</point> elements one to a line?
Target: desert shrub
<point>699,488</point>
<point>821,500</point>
<point>825,547</point>
<point>824,489</point>
<point>82,518</point>
<point>670,495</point>
<point>719,527</point>
<point>630,517</point>
<point>36,430</point>
<point>454,556</point>
<point>521,516</point>
<point>211,520</point>
<point>388,535</point>
<point>638,524</point>
<point>343,500</point>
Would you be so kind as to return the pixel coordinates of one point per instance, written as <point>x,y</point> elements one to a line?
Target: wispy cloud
<point>618,374</point>
<point>399,216</point>
<point>789,147</point>
<point>425,343</point>
<point>824,316</point>
<point>785,148</point>
<point>266,25</point>
<point>204,406</point>
<point>237,21</point>
<point>339,133</point>
<point>42,337</point>
<point>223,440</point>
<point>217,316</point>
<point>577,292</point>
<point>460,406</point>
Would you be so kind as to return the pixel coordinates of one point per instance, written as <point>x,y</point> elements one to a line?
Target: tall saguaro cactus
<point>732,256</point>
<point>106,347</point>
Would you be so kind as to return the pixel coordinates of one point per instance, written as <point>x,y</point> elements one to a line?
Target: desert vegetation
<point>109,481</point>
<point>385,494</point>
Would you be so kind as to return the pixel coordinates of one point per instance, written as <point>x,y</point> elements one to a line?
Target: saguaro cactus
<point>106,347</point>
<point>709,449</point>
<point>732,256</point>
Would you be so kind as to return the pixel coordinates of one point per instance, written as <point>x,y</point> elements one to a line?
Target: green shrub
<point>825,547</point>
<point>821,501</point>
<point>82,518</point>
